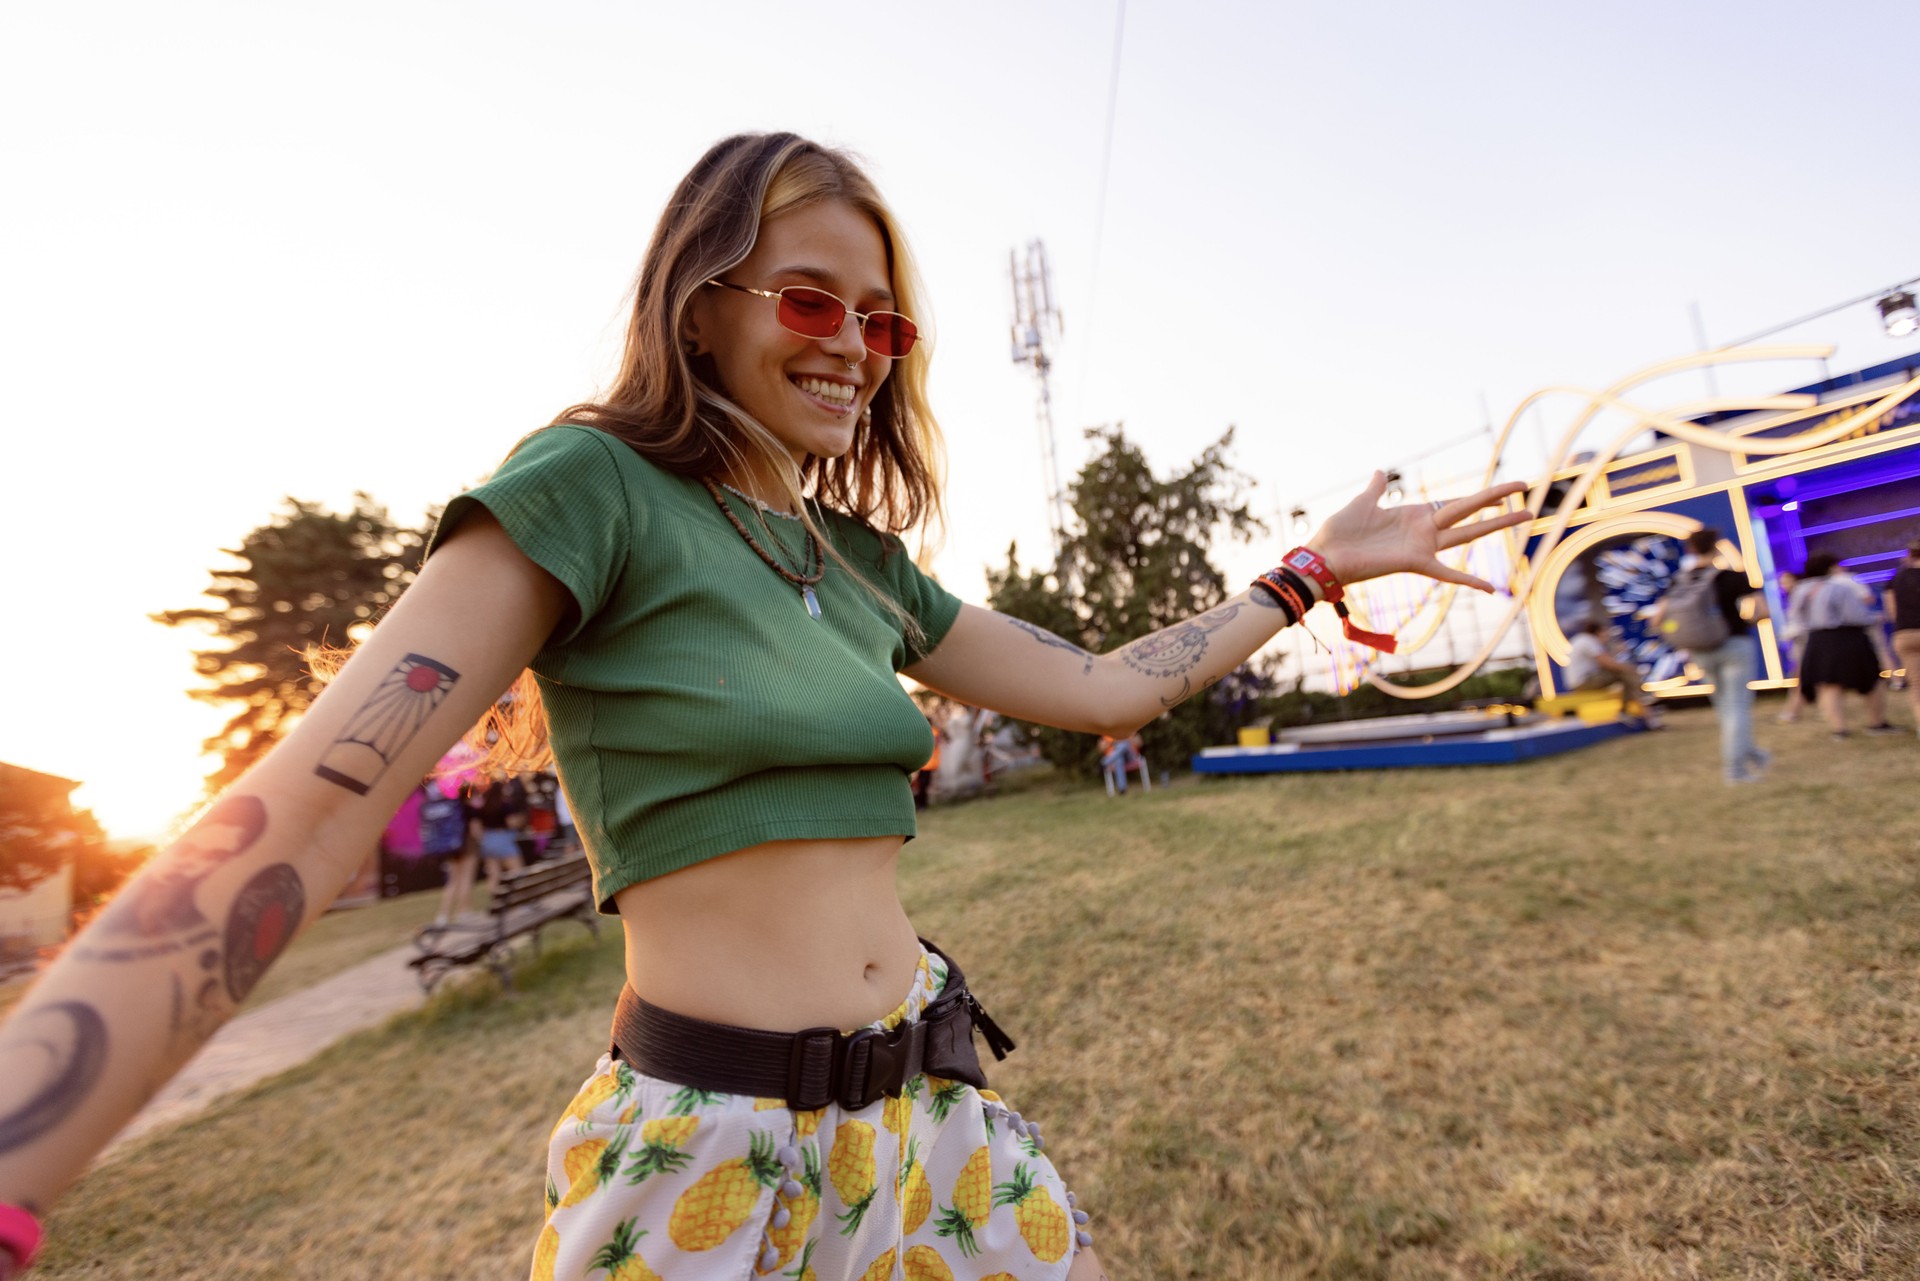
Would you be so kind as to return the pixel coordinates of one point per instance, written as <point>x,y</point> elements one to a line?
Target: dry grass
<point>1596,1017</point>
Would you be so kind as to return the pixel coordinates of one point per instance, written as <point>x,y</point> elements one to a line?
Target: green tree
<point>1137,560</point>
<point>308,578</point>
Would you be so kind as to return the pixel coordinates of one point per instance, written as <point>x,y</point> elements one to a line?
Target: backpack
<point>1691,618</point>
<point>443,822</point>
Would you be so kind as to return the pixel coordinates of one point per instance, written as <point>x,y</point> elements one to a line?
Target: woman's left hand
<point>1365,540</point>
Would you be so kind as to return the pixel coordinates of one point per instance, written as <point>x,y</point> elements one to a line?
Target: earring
<point>691,347</point>
<point>853,364</point>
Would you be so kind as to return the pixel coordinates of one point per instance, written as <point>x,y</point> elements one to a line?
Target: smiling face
<point>809,392</point>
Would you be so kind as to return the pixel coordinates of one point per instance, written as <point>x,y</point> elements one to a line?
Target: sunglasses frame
<point>778,295</point>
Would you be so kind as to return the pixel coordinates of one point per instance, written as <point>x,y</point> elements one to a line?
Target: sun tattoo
<point>386,723</point>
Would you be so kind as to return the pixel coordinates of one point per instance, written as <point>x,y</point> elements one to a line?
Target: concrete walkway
<point>281,1034</point>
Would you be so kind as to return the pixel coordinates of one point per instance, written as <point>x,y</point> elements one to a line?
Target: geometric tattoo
<point>387,723</point>
<point>265,915</point>
<point>58,1051</point>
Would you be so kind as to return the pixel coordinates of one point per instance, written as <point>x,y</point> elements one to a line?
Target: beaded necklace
<point>812,556</point>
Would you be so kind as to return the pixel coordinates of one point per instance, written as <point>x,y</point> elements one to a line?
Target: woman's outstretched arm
<point>991,660</point>
<point>170,959</point>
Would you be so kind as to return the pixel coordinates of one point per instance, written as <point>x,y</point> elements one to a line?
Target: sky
<point>258,250</point>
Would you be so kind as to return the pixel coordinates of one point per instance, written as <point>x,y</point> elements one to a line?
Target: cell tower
<point>1036,331</point>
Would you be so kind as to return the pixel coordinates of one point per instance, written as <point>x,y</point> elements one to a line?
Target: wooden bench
<point>525,901</point>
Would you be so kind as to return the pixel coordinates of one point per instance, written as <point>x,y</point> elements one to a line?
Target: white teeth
<point>820,387</point>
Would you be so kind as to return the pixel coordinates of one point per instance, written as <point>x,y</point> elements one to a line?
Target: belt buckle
<point>867,1057</point>
<point>799,1097</point>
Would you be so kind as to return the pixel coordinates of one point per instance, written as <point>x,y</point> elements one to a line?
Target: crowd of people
<point>1839,637</point>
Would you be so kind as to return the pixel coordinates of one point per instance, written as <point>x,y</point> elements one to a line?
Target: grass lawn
<point>1593,1017</point>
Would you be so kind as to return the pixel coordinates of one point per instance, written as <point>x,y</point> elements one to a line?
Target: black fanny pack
<point>815,1067</point>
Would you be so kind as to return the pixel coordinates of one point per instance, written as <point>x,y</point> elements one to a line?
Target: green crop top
<point>694,706</point>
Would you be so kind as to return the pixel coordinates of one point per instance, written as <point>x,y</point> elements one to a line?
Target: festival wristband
<point>1311,565</point>
<point>1288,591</point>
<point>19,1235</point>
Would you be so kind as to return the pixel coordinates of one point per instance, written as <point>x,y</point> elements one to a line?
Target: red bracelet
<point>19,1235</point>
<point>1311,563</point>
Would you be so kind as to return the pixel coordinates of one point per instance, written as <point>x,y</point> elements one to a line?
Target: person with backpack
<point>1840,653</point>
<point>1701,614</point>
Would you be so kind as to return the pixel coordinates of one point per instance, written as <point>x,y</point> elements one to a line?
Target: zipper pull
<point>997,1040</point>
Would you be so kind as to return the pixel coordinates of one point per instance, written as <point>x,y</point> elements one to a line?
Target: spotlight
<point>1897,314</point>
<point>1396,492</point>
<point>1299,518</point>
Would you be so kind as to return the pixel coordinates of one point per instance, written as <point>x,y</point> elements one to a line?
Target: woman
<point>1840,655</point>
<point>1903,611</point>
<point>704,572</point>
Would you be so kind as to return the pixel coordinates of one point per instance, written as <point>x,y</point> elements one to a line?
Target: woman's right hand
<point>136,994</point>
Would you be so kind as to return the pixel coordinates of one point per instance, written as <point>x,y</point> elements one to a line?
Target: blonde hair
<point>667,404</point>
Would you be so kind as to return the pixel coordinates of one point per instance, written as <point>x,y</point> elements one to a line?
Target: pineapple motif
<point>615,1083</point>
<point>851,1167</point>
<point>881,1269</point>
<point>590,1164</point>
<point>768,1105</point>
<point>972,1203</point>
<point>945,1095</point>
<point>714,1208</point>
<point>1043,1221</point>
<point>897,1115</point>
<point>803,1270</point>
<point>916,1194</point>
<point>801,1210</point>
<point>545,1251</point>
<point>685,1101</point>
<point>621,1256</point>
<point>923,1263</point>
<point>807,1124</point>
<point>999,1276</point>
<point>553,1196</point>
<point>660,1142</point>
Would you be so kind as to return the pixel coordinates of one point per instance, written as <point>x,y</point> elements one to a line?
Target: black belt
<point>815,1067</point>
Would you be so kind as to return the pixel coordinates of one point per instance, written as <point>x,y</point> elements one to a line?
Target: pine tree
<point>308,578</point>
<point>1137,560</point>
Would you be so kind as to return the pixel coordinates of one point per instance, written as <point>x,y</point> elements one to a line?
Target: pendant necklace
<point>813,558</point>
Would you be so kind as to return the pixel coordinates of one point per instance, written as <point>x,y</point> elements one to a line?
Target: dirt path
<point>281,1034</point>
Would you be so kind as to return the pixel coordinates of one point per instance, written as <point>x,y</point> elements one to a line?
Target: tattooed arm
<point>1011,666</point>
<point>137,993</point>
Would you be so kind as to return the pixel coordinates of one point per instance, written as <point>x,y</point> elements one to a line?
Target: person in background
<point>1731,665</point>
<point>496,815</point>
<point>1793,639</point>
<point>445,833</point>
<point>1903,611</point>
<point>1840,654</point>
<point>1594,666</point>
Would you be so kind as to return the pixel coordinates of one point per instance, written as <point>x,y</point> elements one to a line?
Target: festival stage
<point>1403,742</point>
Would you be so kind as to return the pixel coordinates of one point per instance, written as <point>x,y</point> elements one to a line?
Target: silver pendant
<point>813,603</point>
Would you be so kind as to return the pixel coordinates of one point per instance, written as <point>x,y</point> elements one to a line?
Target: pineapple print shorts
<point>647,1178</point>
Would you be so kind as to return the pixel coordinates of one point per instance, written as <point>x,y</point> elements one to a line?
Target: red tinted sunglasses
<point>815,313</point>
